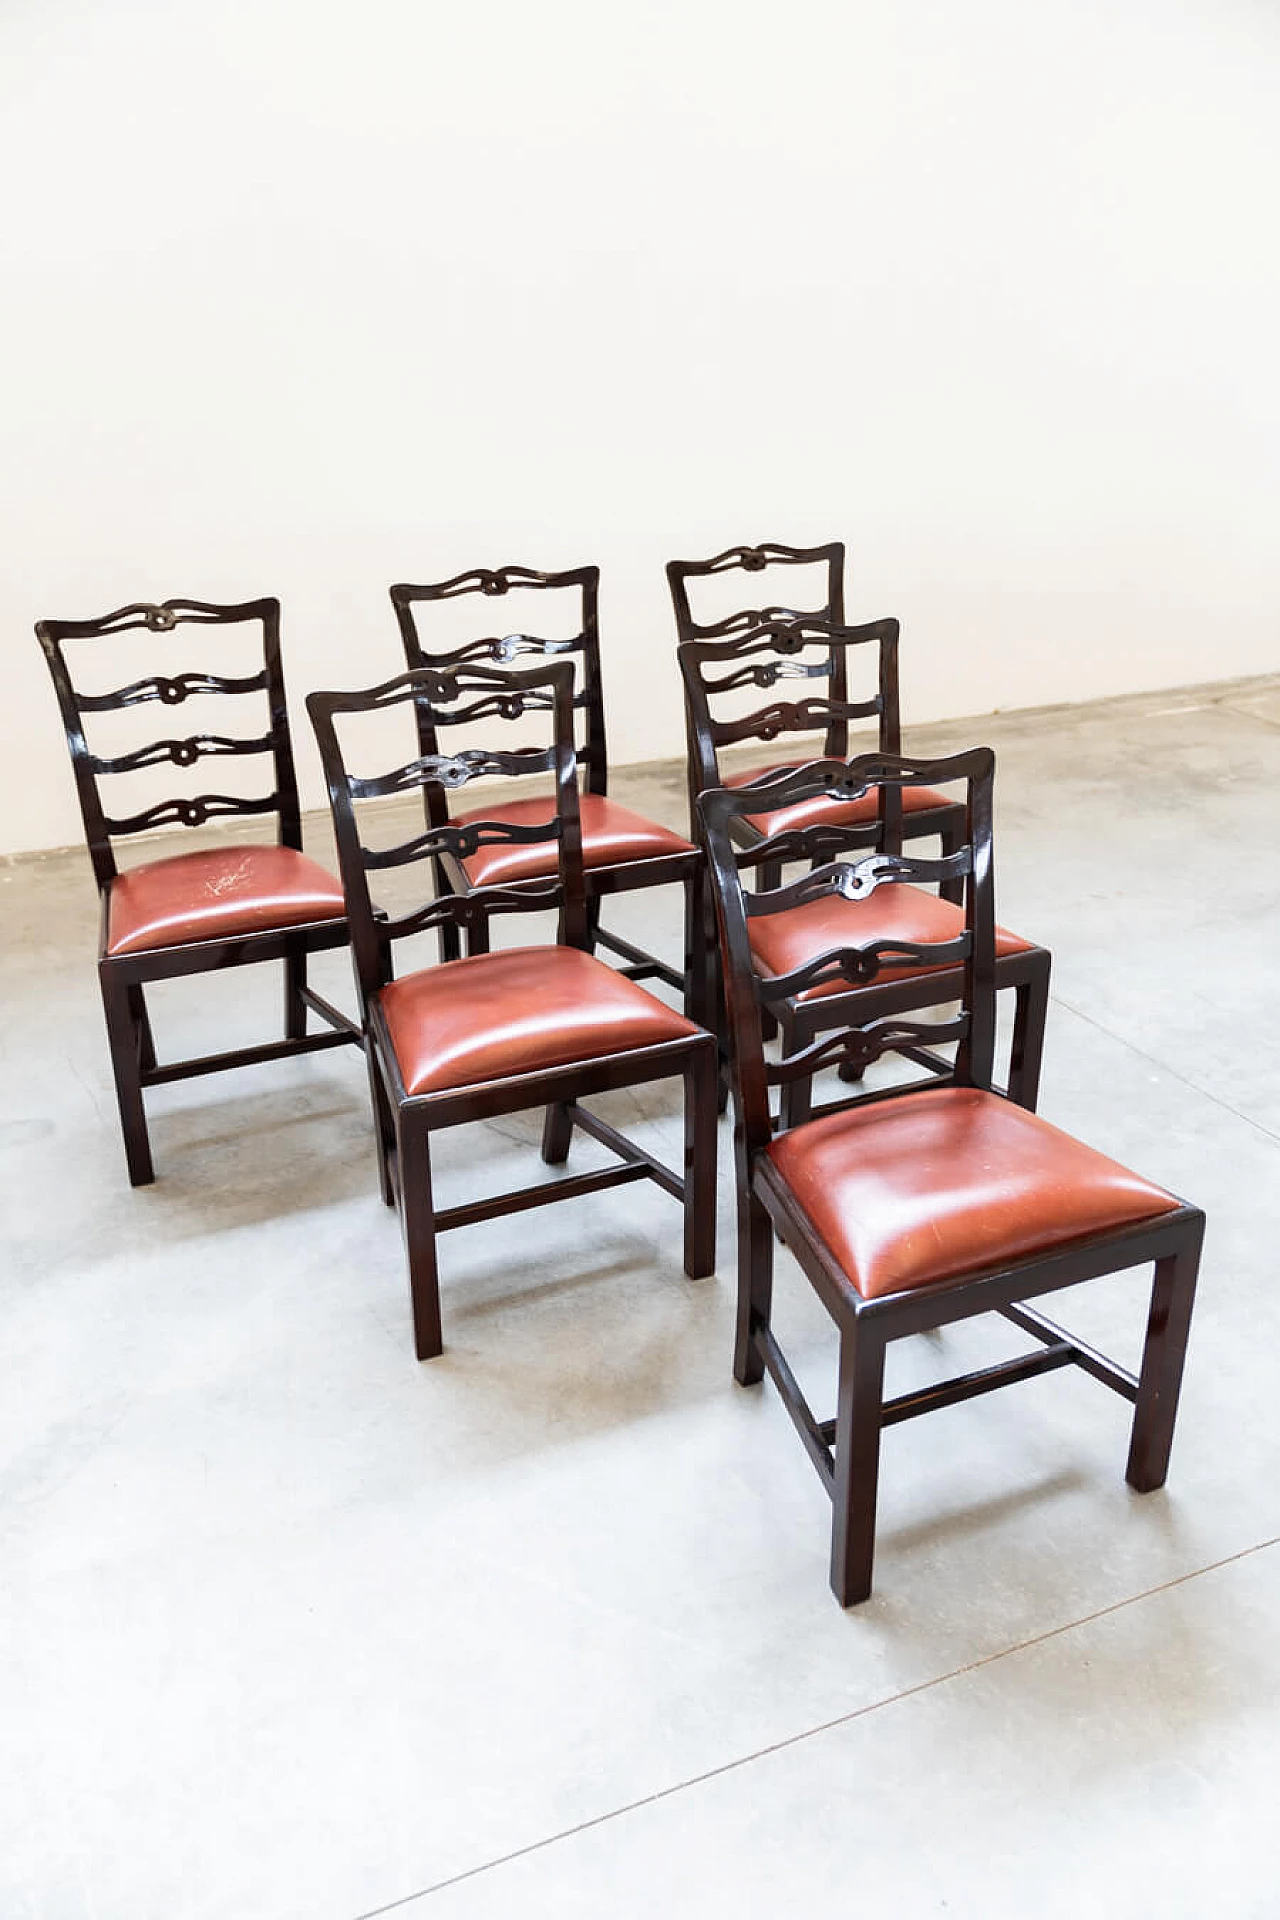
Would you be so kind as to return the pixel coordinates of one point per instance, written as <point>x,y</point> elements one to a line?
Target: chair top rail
<point>754,559</point>
<point>494,581</point>
<point>160,616</point>
<point>444,696</point>
<point>191,812</point>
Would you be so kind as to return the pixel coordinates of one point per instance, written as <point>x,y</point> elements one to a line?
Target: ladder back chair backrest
<point>582,648</point>
<point>442,698</point>
<point>755,560</point>
<point>915,1207</point>
<point>804,648</point>
<point>102,825</point>
<point>751,991</point>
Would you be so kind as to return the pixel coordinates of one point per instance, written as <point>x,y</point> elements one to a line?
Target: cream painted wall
<point>301,297</point>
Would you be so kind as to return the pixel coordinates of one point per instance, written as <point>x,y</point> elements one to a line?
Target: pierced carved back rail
<point>445,697</point>
<point>103,824</point>
<point>752,990</point>
<point>769,555</point>
<point>576,587</point>
<point>808,650</point>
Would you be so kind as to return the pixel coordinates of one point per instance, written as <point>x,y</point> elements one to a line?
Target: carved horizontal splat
<point>767,673</point>
<point>452,770</point>
<point>181,753</point>
<point>756,559</point>
<point>159,617</point>
<point>751,620</point>
<point>472,909</point>
<point>461,841</point>
<point>494,581</point>
<point>192,813</point>
<point>775,630</point>
<point>492,706</point>
<point>791,716</point>
<point>858,966</point>
<point>171,692</point>
<point>852,880</point>
<point>505,648</point>
<point>858,1047</point>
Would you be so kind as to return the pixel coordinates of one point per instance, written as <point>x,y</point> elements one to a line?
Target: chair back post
<point>701,759</point>
<point>50,634</point>
<point>432,692</point>
<point>290,827</point>
<point>495,583</point>
<point>716,808</point>
<point>101,828</point>
<point>748,987</point>
<point>975,1063</point>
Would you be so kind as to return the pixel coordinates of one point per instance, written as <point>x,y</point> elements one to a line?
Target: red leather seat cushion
<point>781,942</point>
<point>611,836</point>
<point>518,1011</point>
<point>216,893</point>
<point>830,813</point>
<point>930,1186</point>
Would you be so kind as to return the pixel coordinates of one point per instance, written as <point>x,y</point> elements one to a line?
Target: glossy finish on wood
<point>736,638</point>
<point>755,650</point>
<point>477,1037</point>
<point>617,860</point>
<point>194,913</point>
<point>811,649</point>
<point>923,1279</point>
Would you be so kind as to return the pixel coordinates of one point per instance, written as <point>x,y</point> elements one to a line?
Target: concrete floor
<point>296,1629</point>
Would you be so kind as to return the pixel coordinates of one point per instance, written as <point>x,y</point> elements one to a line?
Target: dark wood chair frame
<point>123,977</point>
<point>463,695</point>
<point>761,656</point>
<point>756,559</point>
<point>583,650</point>
<point>762,648</point>
<point>846,1449</point>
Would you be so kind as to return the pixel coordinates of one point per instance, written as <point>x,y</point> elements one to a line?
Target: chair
<point>910,1210</point>
<point>742,637</point>
<point>814,828</point>
<point>220,906</point>
<point>621,850</point>
<point>499,1032</point>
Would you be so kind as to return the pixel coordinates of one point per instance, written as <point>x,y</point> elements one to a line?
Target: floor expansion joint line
<point>1193,1086</point>
<point>812,1733</point>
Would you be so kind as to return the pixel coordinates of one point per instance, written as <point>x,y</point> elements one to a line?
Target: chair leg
<point>295,980</point>
<point>417,1218</point>
<point>1173,1295</point>
<point>593,905</point>
<point>1031,1011</point>
<point>125,1041</point>
<point>701,1078</point>
<point>755,1284</point>
<point>142,1021</point>
<point>857,1462</point>
<point>557,1132</point>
